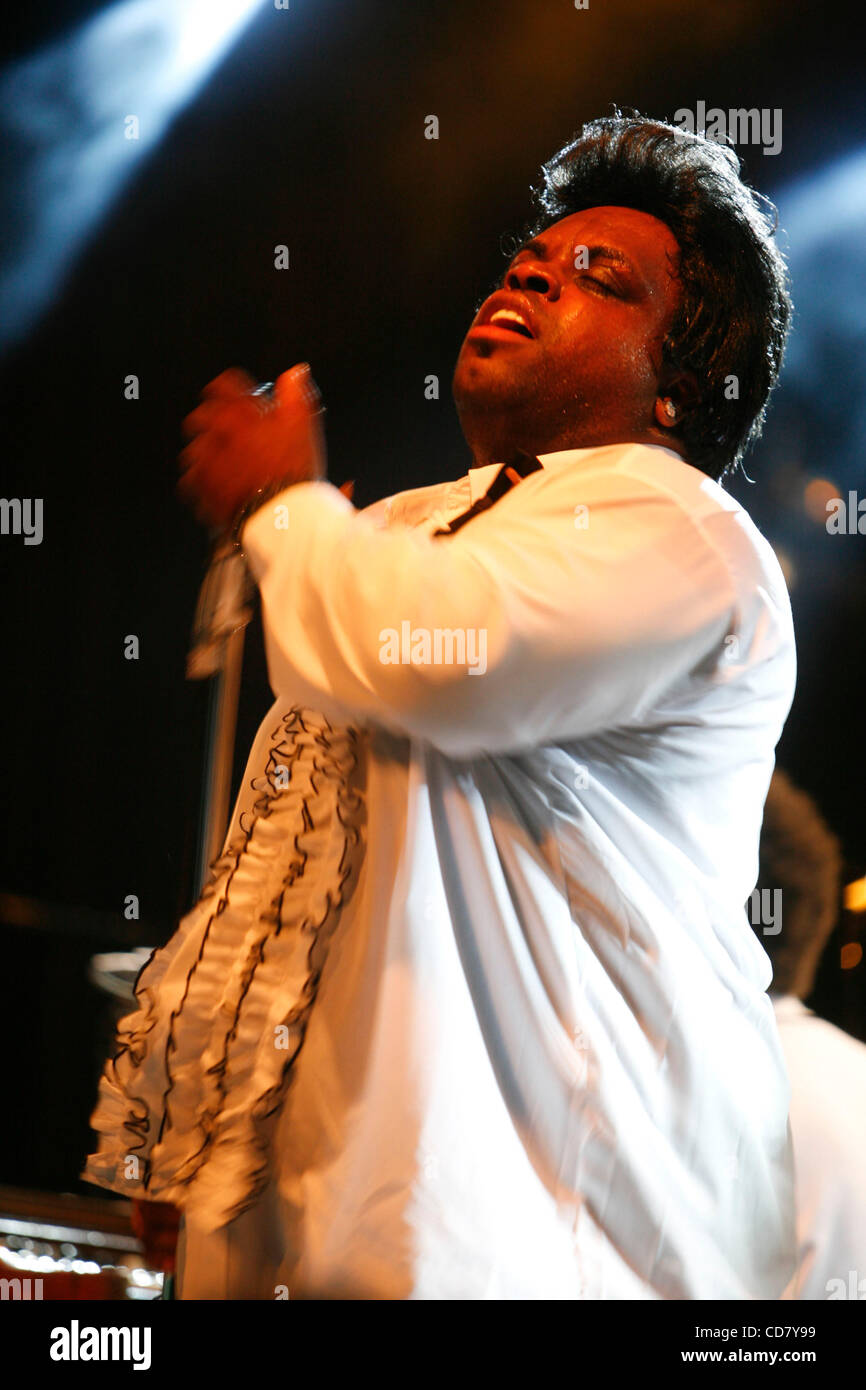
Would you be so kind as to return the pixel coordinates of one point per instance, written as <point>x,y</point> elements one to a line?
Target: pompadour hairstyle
<point>736,307</point>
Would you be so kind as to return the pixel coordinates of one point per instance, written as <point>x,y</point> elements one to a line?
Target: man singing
<point>471,1008</point>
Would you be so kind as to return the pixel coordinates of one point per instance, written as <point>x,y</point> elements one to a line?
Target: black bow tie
<point>517,466</point>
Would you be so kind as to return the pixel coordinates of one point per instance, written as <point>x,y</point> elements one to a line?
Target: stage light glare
<point>816,494</point>
<point>855,896</point>
<point>787,566</point>
<point>206,27</point>
<point>81,115</point>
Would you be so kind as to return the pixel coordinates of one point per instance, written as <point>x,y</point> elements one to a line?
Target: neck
<point>495,449</point>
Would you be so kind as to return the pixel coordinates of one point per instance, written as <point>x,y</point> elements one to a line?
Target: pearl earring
<point>670,410</point>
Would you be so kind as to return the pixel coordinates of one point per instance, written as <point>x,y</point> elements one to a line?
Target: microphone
<point>226,593</point>
<point>224,599</point>
<point>223,608</point>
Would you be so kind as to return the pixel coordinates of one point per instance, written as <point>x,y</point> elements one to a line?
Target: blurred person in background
<point>801,858</point>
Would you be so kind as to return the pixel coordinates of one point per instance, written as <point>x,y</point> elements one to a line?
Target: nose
<point>532,274</point>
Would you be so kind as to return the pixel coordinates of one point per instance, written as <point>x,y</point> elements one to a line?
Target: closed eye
<point>601,285</point>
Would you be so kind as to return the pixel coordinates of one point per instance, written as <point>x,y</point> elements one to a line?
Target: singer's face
<point>569,350</point>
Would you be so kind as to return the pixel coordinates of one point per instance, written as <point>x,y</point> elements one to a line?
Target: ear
<point>677,394</point>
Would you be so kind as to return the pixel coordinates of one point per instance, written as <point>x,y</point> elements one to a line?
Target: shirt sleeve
<point>563,610</point>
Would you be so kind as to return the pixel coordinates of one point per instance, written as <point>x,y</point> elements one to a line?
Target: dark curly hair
<point>736,307</point>
<point>801,856</point>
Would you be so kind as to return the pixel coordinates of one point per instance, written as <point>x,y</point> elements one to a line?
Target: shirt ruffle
<point>186,1106</point>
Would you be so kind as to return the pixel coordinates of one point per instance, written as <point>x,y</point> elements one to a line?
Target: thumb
<point>296,386</point>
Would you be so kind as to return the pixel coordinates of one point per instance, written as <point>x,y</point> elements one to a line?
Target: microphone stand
<point>216,653</point>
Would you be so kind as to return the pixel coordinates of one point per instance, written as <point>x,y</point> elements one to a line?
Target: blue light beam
<point>79,117</point>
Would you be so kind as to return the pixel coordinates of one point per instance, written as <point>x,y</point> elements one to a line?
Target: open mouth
<point>510,320</point>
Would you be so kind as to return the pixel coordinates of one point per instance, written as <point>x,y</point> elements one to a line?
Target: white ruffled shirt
<point>540,1061</point>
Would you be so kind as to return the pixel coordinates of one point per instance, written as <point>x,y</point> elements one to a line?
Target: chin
<point>484,381</point>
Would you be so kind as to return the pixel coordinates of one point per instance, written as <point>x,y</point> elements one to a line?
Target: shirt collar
<point>481,478</point>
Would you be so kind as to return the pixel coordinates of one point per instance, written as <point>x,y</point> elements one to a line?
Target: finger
<point>218,420</point>
<point>211,501</point>
<point>192,454</point>
<point>204,417</point>
<point>194,486</point>
<point>297,387</point>
<point>229,385</point>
